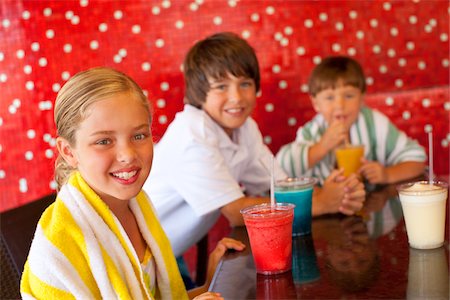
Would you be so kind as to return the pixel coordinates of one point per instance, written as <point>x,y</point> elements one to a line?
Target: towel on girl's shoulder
<point>81,251</point>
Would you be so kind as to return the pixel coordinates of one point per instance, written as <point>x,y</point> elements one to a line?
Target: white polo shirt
<point>197,169</point>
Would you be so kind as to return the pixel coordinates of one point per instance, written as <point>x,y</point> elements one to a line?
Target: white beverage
<point>424,210</point>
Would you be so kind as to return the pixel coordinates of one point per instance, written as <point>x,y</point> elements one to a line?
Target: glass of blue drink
<point>299,192</point>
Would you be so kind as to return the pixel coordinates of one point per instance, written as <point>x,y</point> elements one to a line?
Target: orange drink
<point>348,157</point>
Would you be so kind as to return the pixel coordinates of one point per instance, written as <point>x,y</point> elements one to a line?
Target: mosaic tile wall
<point>403,46</point>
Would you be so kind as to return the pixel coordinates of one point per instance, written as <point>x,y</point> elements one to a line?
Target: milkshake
<point>424,211</point>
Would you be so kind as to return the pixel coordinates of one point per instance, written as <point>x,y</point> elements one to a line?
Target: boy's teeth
<point>234,110</point>
<point>125,175</point>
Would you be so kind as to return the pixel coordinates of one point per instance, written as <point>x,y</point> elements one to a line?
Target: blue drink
<point>299,192</point>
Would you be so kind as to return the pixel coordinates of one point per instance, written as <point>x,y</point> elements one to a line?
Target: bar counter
<point>358,257</point>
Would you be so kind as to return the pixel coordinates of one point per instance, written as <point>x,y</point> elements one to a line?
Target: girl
<point>101,237</point>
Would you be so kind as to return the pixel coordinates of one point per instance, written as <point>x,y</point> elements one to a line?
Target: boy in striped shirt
<point>337,87</point>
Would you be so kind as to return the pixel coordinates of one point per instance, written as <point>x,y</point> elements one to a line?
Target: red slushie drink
<point>270,232</point>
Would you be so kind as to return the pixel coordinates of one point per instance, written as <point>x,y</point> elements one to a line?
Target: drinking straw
<point>272,183</point>
<point>430,157</point>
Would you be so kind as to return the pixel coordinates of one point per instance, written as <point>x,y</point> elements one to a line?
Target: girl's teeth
<point>125,175</point>
<point>234,110</point>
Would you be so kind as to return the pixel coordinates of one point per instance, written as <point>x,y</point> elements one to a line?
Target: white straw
<point>430,157</point>
<point>272,182</point>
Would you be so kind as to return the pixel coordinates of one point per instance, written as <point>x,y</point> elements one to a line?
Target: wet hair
<point>334,69</point>
<point>74,99</point>
<point>214,57</point>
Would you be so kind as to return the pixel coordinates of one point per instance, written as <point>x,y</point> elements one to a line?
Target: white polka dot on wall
<point>146,66</point>
<point>269,107</point>
<point>118,14</point>
<point>300,51</point>
<point>42,62</point>
<point>323,17</point>
<point>383,69</point>
<point>166,4</point>
<point>267,140</point>
<point>406,115</point>
<point>336,47</point>
<point>245,34</point>
<point>159,43</point>
<point>117,58</point>
<point>31,133</point>
<point>373,23</point>
<point>232,3</point>
<point>26,15</point>
<point>276,69</point>
<point>136,29</point>
<point>20,54</point>
<point>447,106</point>
<point>164,86</point>
<point>444,143</point>
<point>156,10</point>
<point>52,142</point>
<point>402,62</point>
<point>75,20</point>
<point>47,12</point>
<point>193,6</point>
<point>389,101</point>
<point>351,51</point>
<point>376,49</point>
<point>23,185</point>
<point>56,87</point>
<point>410,45</point>
<point>17,102</point>
<point>161,103</point>
<point>254,17</point>
<point>65,75</point>
<point>2,56</point>
<point>317,59</point>
<point>304,88</point>
<point>292,121</point>
<point>2,173</point>
<point>288,30</point>
<point>443,37</point>
<point>399,83</point>
<point>50,34</point>
<point>421,65</point>
<point>308,23</point>
<point>426,102</point>
<point>179,24</point>
<point>386,6</point>
<point>35,46</point>
<point>352,14</point>
<point>360,34</point>
<point>84,3</point>
<point>94,45</point>
<point>48,153</point>
<point>162,119</point>
<point>27,69</point>
<point>270,10</point>
<point>369,80</point>
<point>29,155</point>
<point>445,62</point>
<point>217,20</point>
<point>53,185</point>
<point>412,19</point>
<point>282,84</point>
<point>102,27</point>
<point>122,52</point>
<point>394,31</point>
<point>3,77</point>
<point>339,26</point>
<point>29,85</point>
<point>428,128</point>
<point>391,52</point>
<point>428,28</point>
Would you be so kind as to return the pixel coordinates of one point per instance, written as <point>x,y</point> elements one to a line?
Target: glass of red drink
<point>269,229</point>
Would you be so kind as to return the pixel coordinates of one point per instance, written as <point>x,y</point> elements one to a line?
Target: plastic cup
<point>304,262</point>
<point>424,210</point>
<point>427,274</point>
<point>269,229</point>
<point>297,191</point>
<point>349,157</point>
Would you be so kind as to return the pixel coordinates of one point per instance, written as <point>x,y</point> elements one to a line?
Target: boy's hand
<point>209,295</point>
<point>335,135</point>
<point>373,171</point>
<point>354,197</point>
<point>214,257</point>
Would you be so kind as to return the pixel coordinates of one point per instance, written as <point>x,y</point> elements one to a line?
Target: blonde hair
<point>74,99</point>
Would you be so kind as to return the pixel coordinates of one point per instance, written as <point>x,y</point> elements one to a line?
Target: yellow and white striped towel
<point>81,251</point>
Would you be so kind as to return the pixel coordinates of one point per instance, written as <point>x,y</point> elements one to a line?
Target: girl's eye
<point>247,84</point>
<point>103,142</point>
<point>329,98</point>
<point>349,96</point>
<point>139,136</point>
<point>220,87</point>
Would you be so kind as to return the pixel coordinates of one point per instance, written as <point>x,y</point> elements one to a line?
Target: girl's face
<point>114,147</point>
<point>341,104</point>
<point>230,101</point>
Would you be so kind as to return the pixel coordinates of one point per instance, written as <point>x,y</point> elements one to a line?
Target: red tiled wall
<point>403,46</point>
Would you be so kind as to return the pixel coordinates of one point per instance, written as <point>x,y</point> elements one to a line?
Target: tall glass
<point>299,192</point>
<point>349,157</point>
<point>269,230</point>
<point>424,210</point>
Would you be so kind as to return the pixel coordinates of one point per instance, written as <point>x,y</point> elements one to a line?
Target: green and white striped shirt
<point>383,142</point>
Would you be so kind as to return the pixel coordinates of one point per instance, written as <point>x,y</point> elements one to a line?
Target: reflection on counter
<point>278,286</point>
<point>352,257</point>
<point>428,276</point>
<point>304,260</point>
